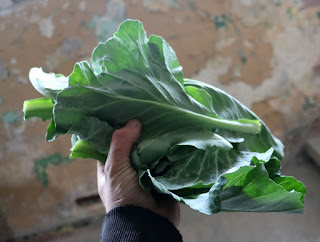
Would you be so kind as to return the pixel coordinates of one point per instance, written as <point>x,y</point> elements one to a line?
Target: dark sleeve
<point>131,223</point>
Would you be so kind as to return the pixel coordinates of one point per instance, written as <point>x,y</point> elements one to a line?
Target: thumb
<point>122,142</point>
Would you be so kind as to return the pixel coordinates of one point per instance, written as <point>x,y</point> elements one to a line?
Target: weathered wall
<point>265,53</point>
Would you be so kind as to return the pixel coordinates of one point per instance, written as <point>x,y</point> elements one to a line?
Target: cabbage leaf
<point>198,144</point>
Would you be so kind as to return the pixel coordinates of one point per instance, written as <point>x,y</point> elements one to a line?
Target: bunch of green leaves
<point>198,144</point>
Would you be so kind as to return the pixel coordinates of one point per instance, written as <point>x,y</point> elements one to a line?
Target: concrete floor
<point>247,227</point>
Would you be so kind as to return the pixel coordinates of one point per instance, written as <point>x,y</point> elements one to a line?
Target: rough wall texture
<point>265,53</point>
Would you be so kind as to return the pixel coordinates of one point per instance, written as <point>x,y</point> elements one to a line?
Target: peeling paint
<point>82,5</point>
<point>39,138</point>
<point>247,44</point>
<point>83,24</point>
<point>220,22</point>
<point>67,50</point>
<point>71,45</point>
<point>237,71</point>
<point>13,61</point>
<point>282,53</point>
<point>192,5</point>
<point>294,52</point>
<point>10,117</point>
<point>224,42</point>
<point>63,21</point>
<point>278,3</point>
<point>4,73</point>
<point>259,11</point>
<point>46,27</point>
<point>106,30</point>
<point>8,7</point>
<point>292,12</point>
<point>309,103</point>
<point>18,77</point>
<point>162,5</point>
<point>105,25</point>
<point>41,165</point>
<point>214,69</point>
<point>93,22</point>
<point>23,80</point>
<point>242,56</point>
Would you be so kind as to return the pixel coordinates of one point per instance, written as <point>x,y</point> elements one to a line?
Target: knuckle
<point>112,171</point>
<point>119,134</point>
<point>114,152</point>
<point>115,169</point>
<point>109,169</point>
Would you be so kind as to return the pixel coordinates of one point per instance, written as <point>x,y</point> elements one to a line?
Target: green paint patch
<point>309,103</point>
<point>93,22</point>
<point>174,4</point>
<point>318,15</point>
<point>106,29</point>
<point>1,100</point>
<point>10,117</point>
<point>242,56</point>
<point>83,24</point>
<point>278,4</point>
<point>221,21</point>
<point>39,138</point>
<point>40,166</point>
<point>243,59</point>
<point>4,72</point>
<point>291,12</point>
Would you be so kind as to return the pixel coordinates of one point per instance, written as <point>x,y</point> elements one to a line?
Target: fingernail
<point>132,123</point>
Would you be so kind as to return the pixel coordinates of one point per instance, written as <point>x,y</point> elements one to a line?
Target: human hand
<point>118,182</point>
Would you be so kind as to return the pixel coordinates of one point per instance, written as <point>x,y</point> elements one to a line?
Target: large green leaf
<point>249,189</point>
<point>193,165</point>
<point>246,189</point>
<point>155,148</point>
<point>228,107</point>
<point>198,144</point>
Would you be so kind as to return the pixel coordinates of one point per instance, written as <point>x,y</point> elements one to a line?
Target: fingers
<point>100,170</point>
<point>122,142</point>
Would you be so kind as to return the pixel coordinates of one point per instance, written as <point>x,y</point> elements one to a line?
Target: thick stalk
<point>41,108</point>
<point>242,125</point>
<point>82,149</point>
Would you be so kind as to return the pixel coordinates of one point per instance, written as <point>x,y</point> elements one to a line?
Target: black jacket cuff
<point>132,223</point>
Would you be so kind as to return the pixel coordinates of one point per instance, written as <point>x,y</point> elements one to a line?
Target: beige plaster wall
<point>265,53</point>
